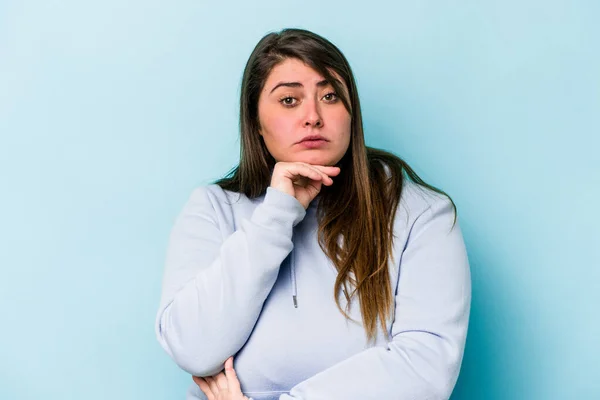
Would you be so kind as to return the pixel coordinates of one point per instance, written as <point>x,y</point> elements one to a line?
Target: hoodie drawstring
<point>293,278</point>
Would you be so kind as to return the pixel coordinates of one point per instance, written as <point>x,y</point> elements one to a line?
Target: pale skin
<point>295,102</point>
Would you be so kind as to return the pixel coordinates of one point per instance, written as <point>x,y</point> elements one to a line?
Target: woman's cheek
<point>281,129</point>
<point>341,124</point>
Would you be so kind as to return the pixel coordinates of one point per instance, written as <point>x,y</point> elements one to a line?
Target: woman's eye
<point>330,97</point>
<point>287,101</point>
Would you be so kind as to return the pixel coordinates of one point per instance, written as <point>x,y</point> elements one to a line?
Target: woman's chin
<point>314,160</point>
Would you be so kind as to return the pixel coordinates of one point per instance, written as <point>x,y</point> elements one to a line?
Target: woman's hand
<point>223,386</point>
<point>302,180</point>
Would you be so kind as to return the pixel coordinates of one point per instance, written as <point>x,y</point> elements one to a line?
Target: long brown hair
<point>360,205</point>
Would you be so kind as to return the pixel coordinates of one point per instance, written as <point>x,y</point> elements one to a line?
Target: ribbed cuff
<point>279,209</point>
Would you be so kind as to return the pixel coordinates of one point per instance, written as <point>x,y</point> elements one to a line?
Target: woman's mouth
<point>313,143</point>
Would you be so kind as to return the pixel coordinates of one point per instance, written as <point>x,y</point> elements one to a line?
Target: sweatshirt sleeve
<point>214,287</point>
<point>423,357</point>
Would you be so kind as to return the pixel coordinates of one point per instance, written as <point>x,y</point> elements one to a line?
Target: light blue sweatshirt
<point>247,278</point>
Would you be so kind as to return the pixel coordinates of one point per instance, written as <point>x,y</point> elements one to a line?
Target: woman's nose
<point>313,115</point>
<point>316,123</point>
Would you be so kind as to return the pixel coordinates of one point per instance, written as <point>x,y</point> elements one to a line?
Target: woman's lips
<point>313,144</point>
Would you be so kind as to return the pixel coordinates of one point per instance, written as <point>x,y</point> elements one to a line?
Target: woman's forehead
<point>294,70</point>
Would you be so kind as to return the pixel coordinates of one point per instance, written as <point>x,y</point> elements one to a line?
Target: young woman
<point>329,269</point>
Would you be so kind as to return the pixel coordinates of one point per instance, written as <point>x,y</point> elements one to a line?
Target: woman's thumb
<point>231,376</point>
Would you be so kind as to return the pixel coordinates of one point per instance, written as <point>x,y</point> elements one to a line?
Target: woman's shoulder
<point>415,198</point>
<point>414,194</point>
<point>222,195</point>
<point>213,194</point>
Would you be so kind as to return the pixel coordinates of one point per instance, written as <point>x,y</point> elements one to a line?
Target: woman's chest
<point>290,344</point>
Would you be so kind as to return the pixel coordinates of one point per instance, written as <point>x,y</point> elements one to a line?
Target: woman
<point>317,262</point>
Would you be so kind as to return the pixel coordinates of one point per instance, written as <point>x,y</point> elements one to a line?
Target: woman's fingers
<point>326,172</point>
<point>304,170</point>
<point>329,170</point>
<point>314,172</point>
<point>203,385</point>
<point>213,385</point>
<point>221,381</point>
<point>302,180</point>
<point>232,380</point>
<point>224,383</point>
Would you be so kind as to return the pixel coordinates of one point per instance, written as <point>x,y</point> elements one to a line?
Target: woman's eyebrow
<point>324,82</point>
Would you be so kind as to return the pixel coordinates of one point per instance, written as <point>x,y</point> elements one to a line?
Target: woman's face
<point>297,102</point>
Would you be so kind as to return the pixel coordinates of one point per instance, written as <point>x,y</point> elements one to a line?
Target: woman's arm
<point>214,287</point>
<point>422,361</point>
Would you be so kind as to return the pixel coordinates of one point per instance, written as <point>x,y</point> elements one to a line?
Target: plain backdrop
<point>111,112</point>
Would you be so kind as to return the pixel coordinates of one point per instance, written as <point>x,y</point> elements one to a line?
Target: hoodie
<point>247,277</point>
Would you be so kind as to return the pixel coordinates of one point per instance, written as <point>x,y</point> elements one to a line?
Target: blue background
<point>111,112</point>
